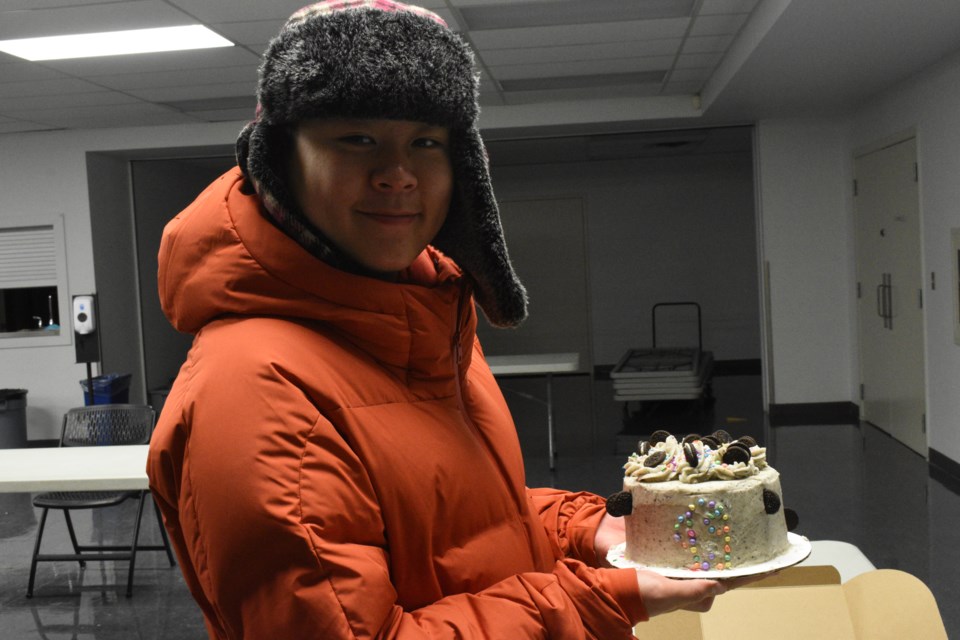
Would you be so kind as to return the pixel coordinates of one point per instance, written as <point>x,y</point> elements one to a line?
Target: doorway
<point>132,196</point>
<point>890,293</point>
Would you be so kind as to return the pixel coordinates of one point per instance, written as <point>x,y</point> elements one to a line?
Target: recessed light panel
<point>114,43</point>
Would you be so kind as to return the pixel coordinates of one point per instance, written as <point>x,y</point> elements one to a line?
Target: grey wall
<point>658,229</point>
<point>628,233</point>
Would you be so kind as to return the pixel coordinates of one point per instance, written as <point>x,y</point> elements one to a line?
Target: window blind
<point>28,257</point>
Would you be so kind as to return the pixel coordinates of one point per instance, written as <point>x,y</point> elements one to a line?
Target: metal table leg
<point>552,453</point>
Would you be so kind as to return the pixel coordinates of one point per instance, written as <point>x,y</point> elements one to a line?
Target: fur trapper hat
<point>381,59</point>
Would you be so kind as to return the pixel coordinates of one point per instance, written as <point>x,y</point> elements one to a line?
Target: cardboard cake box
<point>807,602</point>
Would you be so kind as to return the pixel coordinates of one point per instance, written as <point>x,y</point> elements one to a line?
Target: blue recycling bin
<point>110,388</point>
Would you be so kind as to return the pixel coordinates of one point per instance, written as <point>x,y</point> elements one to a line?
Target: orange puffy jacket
<point>335,459</point>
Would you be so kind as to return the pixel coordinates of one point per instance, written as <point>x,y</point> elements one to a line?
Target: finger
<point>702,606</point>
<point>705,588</point>
<point>733,583</point>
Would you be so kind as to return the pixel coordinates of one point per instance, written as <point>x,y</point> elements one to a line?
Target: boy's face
<point>378,189</point>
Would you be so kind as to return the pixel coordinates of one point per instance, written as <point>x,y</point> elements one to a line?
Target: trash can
<point>13,418</point>
<point>110,388</point>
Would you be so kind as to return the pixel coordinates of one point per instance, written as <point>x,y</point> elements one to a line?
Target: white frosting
<point>675,466</point>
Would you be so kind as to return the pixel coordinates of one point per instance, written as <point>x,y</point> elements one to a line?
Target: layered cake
<point>704,503</point>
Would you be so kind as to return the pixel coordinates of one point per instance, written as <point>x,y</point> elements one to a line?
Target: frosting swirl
<point>676,463</point>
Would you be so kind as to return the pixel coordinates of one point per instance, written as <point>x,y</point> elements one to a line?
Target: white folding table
<point>121,467</point>
<point>545,364</point>
<point>847,558</point>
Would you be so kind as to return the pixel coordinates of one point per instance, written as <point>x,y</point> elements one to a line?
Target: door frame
<point>876,146</point>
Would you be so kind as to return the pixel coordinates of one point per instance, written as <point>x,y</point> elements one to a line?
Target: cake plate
<point>797,551</point>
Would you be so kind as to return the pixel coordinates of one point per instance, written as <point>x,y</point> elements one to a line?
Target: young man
<point>335,459</point>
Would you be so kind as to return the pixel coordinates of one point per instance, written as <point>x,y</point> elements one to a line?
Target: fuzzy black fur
<point>367,63</point>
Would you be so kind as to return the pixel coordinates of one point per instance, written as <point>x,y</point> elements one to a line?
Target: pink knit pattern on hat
<point>329,6</point>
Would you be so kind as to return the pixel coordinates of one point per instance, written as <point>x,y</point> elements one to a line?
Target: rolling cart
<point>649,376</point>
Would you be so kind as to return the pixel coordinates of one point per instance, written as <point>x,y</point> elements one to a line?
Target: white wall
<point>45,173</point>
<point>804,199</point>
<point>805,196</point>
<point>930,105</point>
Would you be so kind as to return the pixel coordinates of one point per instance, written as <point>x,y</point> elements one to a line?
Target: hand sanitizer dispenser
<point>84,317</point>
<point>86,336</point>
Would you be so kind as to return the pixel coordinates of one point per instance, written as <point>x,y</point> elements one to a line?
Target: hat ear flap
<point>473,236</point>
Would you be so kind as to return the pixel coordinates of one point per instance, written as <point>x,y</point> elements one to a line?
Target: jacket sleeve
<point>267,565</point>
<point>570,520</point>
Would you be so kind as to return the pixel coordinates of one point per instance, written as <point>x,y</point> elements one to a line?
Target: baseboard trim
<point>945,470</point>
<point>806,413</point>
<point>751,367</point>
<point>32,444</point>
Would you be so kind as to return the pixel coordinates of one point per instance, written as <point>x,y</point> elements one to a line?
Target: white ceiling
<point>739,60</point>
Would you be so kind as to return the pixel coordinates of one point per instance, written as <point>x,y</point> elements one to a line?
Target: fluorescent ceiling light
<point>114,43</point>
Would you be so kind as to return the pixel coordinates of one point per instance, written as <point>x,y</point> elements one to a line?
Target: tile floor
<point>867,490</point>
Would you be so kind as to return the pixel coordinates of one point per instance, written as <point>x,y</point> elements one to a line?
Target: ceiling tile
<point>91,18</point>
<point>20,5</point>
<point>682,88</point>
<point>484,3</point>
<point>623,91</point>
<point>61,86</point>
<point>579,34</point>
<point>447,16</point>
<point>224,115</point>
<point>243,11</point>
<point>707,44</point>
<point>718,25</point>
<point>150,62</point>
<point>20,126</point>
<point>99,98</point>
<point>698,60</point>
<point>127,115</point>
<point>246,103</point>
<point>592,81</point>
<point>254,33</point>
<point>159,79</point>
<point>727,6</point>
<point>689,75</point>
<point>491,98</point>
<point>600,51</point>
<point>22,71</point>
<point>198,92</point>
<point>511,15</point>
<point>581,68</point>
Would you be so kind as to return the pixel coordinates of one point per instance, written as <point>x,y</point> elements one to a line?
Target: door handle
<point>886,300</point>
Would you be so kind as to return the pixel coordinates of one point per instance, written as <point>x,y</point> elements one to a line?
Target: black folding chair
<point>96,426</point>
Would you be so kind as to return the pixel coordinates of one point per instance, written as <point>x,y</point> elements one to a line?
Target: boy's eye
<point>428,143</point>
<point>357,139</point>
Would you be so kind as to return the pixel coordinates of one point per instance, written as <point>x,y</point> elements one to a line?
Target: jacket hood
<point>222,257</point>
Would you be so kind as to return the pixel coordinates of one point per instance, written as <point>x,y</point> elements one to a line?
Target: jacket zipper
<point>458,361</point>
<point>461,405</point>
